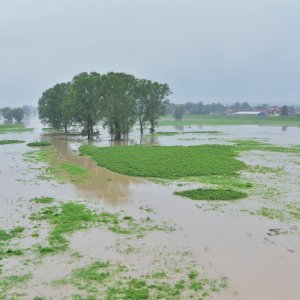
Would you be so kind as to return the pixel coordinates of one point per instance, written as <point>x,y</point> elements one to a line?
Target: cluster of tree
<point>12,113</point>
<point>18,113</point>
<point>119,100</point>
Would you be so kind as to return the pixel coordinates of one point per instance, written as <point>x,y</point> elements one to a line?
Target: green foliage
<point>54,106</point>
<point>39,144</point>
<point>43,200</point>
<point>212,194</point>
<point>119,103</point>
<point>6,142</point>
<point>167,162</point>
<point>87,100</point>
<point>119,99</point>
<point>18,114</point>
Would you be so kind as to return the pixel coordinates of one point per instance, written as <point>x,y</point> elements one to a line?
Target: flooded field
<point>136,239</point>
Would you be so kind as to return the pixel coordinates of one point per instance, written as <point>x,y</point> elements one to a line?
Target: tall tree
<point>156,103</point>
<point>7,113</point>
<point>87,100</point>
<point>18,114</point>
<point>54,109</point>
<point>120,112</point>
<point>142,95</point>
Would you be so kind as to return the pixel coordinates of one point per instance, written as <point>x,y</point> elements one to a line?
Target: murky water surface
<point>223,239</point>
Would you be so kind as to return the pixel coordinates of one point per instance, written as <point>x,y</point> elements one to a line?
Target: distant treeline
<point>217,108</point>
<point>17,114</point>
<point>119,100</point>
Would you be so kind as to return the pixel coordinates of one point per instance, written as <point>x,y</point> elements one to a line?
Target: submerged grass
<point>170,162</point>
<point>9,282</point>
<point>6,142</point>
<point>171,133</point>
<point>212,194</point>
<point>70,217</point>
<point>39,144</point>
<point>111,280</point>
<point>61,171</point>
<point>5,237</point>
<point>4,128</point>
<point>248,145</point>
<point>43,200</point>
<point>287,212</point>
<point>193,119</point>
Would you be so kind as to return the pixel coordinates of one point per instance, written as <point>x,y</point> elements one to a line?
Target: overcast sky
<point>206,50</point>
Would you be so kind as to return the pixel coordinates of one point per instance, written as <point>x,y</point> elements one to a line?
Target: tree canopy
<point>119,100</point>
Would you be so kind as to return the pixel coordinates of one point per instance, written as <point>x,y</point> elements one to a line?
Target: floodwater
<point>223,239</point>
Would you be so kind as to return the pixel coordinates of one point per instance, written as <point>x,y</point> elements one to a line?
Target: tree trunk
<point>152,127</point>
<point>66,127</point>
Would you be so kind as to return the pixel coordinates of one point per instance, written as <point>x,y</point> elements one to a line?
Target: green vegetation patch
<point>247,145</point>
<point>43,200</point>
<point>9,282</point>
<point>70,217</point>
<point>229,182</point>
<point>170,162</point>
<point>61,171</point>
<point>113,282</point>
<point>4,128</point>
<point>287,212</point>
<point>193,119</point>
<point>39,144</point>
<point>5,237</point>
<point>171,133</point>
<point>67,218</point>
<point>212,194</point>
<point>6,142</point>
<point>271,213</point>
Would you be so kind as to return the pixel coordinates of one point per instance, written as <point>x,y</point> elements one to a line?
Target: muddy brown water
<point>224,239</point>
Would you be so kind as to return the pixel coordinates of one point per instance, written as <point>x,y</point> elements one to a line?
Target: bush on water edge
<point>170,162</point>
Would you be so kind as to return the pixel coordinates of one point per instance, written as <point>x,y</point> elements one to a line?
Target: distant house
<point>251,113</point>
<point>274,111</point>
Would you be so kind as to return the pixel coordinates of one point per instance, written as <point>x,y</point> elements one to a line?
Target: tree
<point>284,110</point>
<point>156,103</point>
<point>7,113</point>
<point>120,111</point>
<point>179,111</point>
<point>54,107</point>
<point>142,94</point>
<point>86,99</point>
<point>18,114</point>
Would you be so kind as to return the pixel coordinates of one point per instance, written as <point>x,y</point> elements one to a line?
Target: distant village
<point>237,109</point>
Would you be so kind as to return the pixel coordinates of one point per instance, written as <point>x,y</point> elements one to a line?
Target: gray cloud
<point>212,50</point>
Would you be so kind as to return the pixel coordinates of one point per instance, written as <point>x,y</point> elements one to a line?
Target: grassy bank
<point>230,120</point>
<point>4,128</point>
<point>171,162</point>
